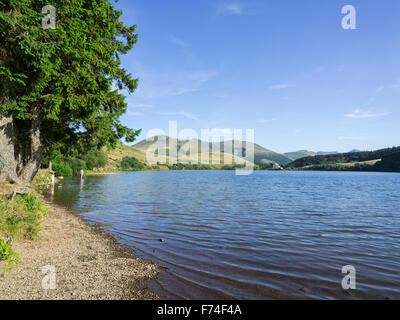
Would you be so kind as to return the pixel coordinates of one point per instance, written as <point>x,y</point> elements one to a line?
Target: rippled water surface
<point>270,235</point>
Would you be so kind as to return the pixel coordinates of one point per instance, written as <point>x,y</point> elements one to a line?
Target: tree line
<point>390,161</point>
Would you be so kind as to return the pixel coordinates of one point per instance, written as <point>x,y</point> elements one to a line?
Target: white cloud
<point>233,8</point>
<point>349,138</point>
<point>267,120</point>
<point>178,41</point>
<point>359,114</point>
<point>297,131</point>
<point>222,131</point>
<point>134,114</point>
<point>282,86</point>
<point>185,114</point>
<point>222,94</point>
<point>181,91</point>
<point>203,76</point>
<point>156,84</point>
<point>395,85</point>
<point>142,106</point>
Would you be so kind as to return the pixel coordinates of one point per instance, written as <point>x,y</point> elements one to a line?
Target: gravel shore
<point>89,264</point>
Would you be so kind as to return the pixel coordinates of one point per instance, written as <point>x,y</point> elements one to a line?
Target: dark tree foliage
<point>95,159</point>
<point>59,89</point>
<point>131,164</point>
<point>389,163</point>
<point>343,158</point>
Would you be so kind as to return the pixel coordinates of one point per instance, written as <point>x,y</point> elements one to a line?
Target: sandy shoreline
<point>89,264</point>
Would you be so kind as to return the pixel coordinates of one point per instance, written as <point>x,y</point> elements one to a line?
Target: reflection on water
<point>270,235</point>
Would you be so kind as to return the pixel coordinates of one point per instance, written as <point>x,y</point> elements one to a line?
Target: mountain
<point>355,150</point>
<point>305,153</point>
<point>122,150</point>
<point>204,150</point>
<point>299,154</point>
<point>325,153</point>
<point>261,154</point>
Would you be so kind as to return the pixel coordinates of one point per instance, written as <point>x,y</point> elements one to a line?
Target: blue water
<point>270,235</point>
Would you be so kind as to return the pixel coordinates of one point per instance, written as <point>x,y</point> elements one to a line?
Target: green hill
<point>380,160</point>
<point>304,153</point>
<point>299,154</point>
<point>260,153</point>
<point>116,155</point>
<point>138,151</point>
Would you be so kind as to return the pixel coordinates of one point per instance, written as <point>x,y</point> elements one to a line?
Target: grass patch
<point>9,255</point>
<point>42,179</point>
<point>21,217</point>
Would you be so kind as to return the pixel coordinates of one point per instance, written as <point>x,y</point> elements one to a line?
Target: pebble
<point>306,290</point>
<point>348,292</point>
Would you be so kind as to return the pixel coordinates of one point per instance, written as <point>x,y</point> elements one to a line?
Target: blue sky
<point>285,68</point>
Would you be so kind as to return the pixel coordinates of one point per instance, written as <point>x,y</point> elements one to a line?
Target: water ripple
<point>271,235</point>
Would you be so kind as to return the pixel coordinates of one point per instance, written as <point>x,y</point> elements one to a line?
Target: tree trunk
<point>32,166</point>
<point>8,163</point>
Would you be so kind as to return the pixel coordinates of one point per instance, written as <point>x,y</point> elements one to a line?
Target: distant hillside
<point>356,150</point>
<point>323,153</point>
<point>380,160</point>
<point>260,154</point>
<point>305,153</point>
<point>299,154</point>
<point>116,155</point>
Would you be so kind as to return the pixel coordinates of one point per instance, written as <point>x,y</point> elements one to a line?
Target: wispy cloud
<point>156,84</point>
<point>359,114</point>
<point>222,94</point>
<point>282,86</point>
<point>298,131</point>
<point>185,114</point>
<point>222,131</point>
<point>203,76</point>
<point>142,106</point>
<point>349,138</point>
<point>267,120</point>
<point>181,91</point>
<point>395,85</point>
<point>134,113</point>
<point>178,41</point>
<point>232,8</point>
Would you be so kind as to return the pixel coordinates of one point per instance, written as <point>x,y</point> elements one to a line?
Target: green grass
<point>9,255</point>
<point>353,164</point>
<point>339,165</point>
<point>21,217</point>
<point>43,178</point>
<point>116,155</point>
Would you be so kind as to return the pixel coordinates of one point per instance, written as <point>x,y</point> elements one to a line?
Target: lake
<point>270,235</point>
